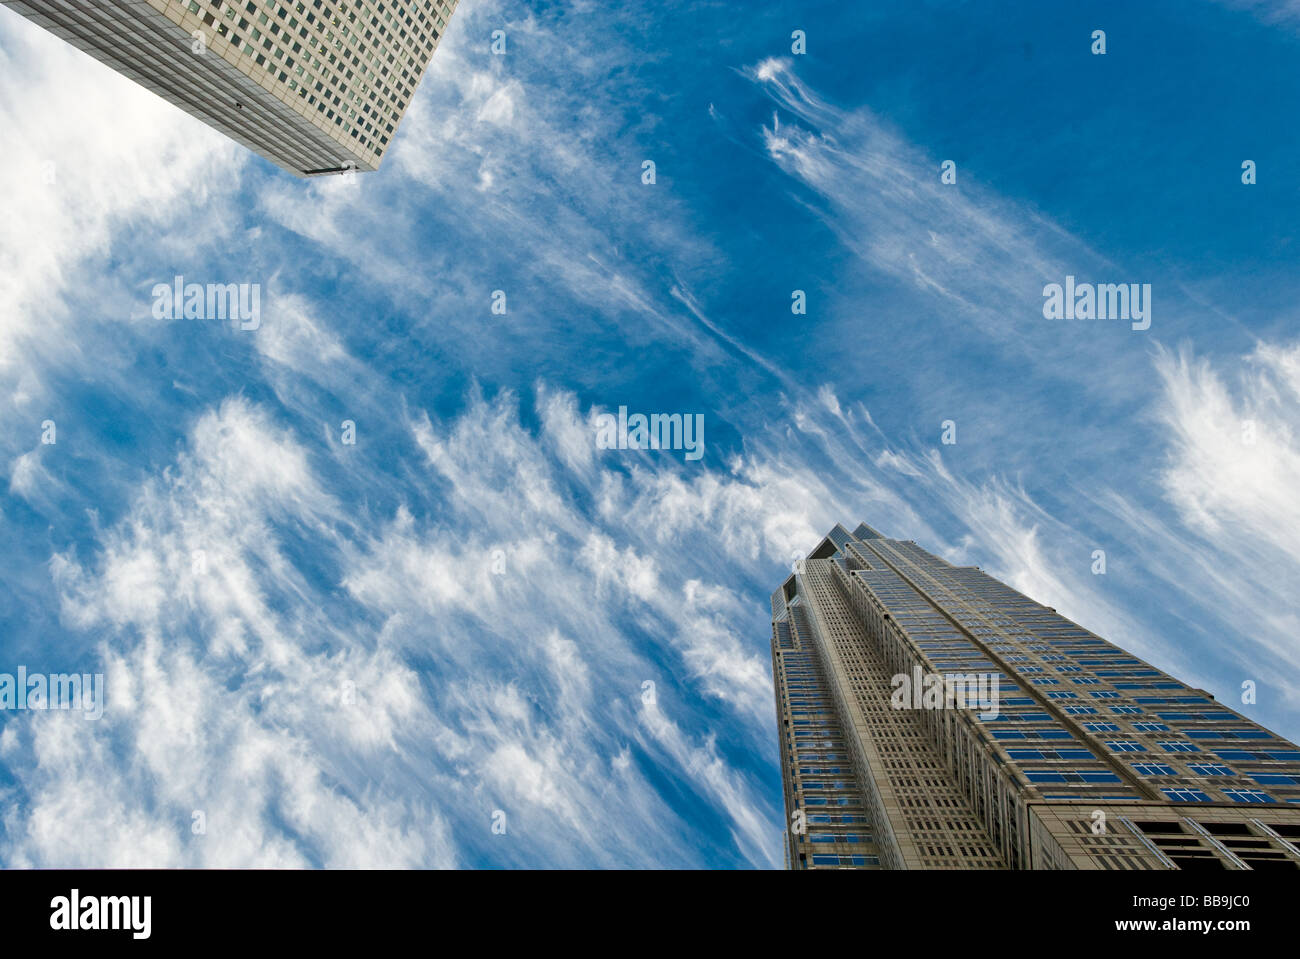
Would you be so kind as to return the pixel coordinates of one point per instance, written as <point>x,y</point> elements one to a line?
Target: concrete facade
<point>314,86</point>
<point>1075,755</point>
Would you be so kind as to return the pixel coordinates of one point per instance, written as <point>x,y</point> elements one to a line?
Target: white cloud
<point>98,154</point>
<point>1270,11</point>
<point>229,693</point>
<point>347,662</point>
<point>1234,461</point>
<point>306,735</point>
<point>726,786</point>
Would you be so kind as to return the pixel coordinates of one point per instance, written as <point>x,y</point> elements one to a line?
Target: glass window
<point>1154,769</point>
<point>1248,795</point>
<point>1210,769</point>
<point>1186,795</point>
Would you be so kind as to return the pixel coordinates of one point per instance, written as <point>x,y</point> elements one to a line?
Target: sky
<point>472,637</point>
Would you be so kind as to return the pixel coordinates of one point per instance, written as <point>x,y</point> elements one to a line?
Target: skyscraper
<point>315,86</point>
<point>931,717</point>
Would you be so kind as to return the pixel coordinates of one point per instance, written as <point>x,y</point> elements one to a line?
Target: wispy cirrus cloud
<point>356,655</point>
<point>1270,11</point>
<point>231,665</point>
<point>99,156</point>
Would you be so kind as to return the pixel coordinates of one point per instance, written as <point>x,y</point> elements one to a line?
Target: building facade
<point>315,86</point>
<point>931,717</point>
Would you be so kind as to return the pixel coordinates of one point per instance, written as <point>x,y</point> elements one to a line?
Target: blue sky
<point>392,640</point>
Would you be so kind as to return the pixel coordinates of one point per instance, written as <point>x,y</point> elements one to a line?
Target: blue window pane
<point>1186,795</point>
<point>1248,795</point>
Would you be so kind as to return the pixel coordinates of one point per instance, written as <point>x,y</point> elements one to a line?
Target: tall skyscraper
<point>315,86</point>
<point>931,717</point>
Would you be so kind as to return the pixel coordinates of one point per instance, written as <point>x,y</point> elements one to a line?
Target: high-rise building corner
<point>314,86</point>
<point>932,717</point>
